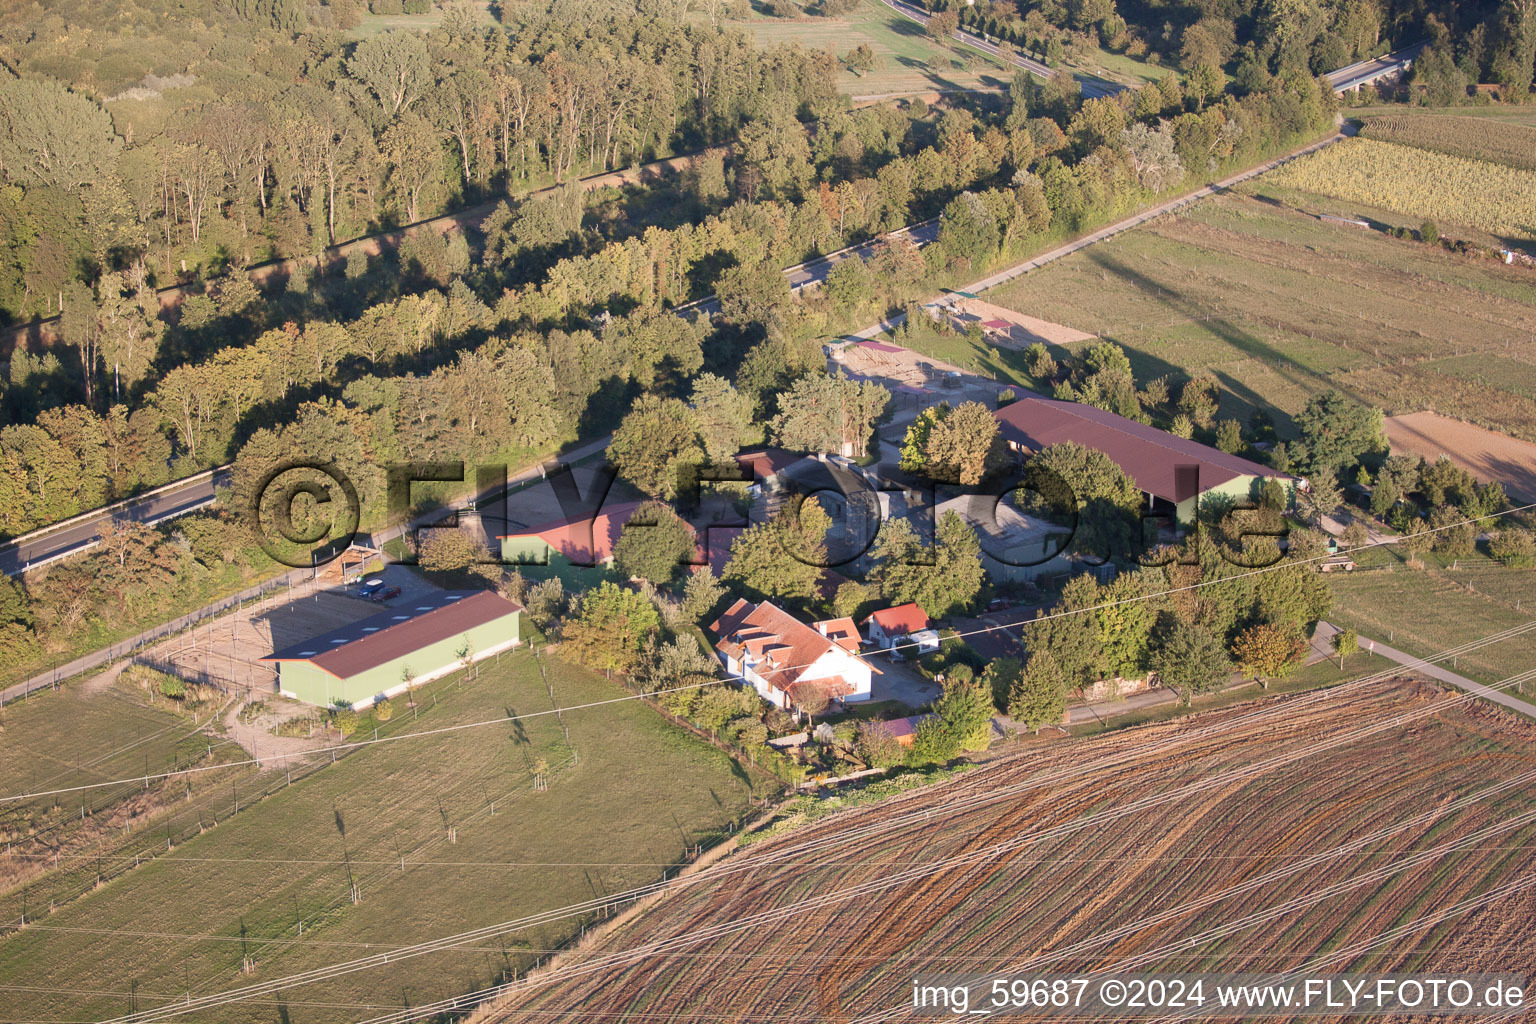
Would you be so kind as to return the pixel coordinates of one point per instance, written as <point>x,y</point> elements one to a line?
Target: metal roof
<point>418,622</point>
<point>1152,458</point>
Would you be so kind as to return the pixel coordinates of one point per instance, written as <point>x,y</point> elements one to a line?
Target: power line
<point>1135,599</point>
<point>767,917</point>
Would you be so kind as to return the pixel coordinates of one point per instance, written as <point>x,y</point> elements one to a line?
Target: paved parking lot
<point>900,680</point>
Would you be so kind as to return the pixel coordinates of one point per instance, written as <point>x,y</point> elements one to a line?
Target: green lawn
<point>910,61</point>
<point>1281,305</point>
<point>1424,611</point>
<point>626,793</point>
<point>374,24</point>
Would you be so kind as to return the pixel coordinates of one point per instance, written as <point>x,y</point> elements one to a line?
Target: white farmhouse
<point>788,662</point>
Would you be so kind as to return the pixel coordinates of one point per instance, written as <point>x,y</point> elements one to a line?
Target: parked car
<point>383,594</point>
<point>369,587</point>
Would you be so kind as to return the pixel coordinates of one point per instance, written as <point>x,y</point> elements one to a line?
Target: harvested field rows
<point>1135,850</point>
<point>1485,454</point>
<point>1513,145</point>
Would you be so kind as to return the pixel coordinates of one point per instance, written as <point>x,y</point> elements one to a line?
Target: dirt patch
<point>1023,330</point>
<point>224,652</point>
<point>1486,454</point>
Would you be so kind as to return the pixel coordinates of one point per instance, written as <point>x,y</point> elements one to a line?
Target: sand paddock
<point>1486,454</point>
<point>1026,330</point>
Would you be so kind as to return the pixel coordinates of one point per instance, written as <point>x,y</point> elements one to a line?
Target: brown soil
<point>1134,849</point>
<point>1486,454</point>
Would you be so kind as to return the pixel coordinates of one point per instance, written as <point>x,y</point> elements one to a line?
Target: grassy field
<point>908,60</point>
<point>1280,306</point>
<point>911,62</point>
<point>1422,611</point>
<point>1131,851</point>
<point>626,794</point>
<point>374,24</point>
<point>79,735</point>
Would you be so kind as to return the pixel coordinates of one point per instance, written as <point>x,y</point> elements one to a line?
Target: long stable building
<point>1173,472</point>
<point>381,655</point>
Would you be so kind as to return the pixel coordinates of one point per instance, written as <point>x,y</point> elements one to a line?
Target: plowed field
<point>1359,829</point>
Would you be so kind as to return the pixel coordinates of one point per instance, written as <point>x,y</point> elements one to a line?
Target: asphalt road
<point>51,543</point>
<point>1092,87</point>
<point>814,272</point>
<point>1347,78</point>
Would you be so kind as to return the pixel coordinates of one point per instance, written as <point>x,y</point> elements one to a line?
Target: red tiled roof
<point>767,631</point>
<point>586,539</point>
<point>769,462</point>
<point>382,638</point>
<point>1150,457</point>
<point>842,631</point>
<point>904,618</point>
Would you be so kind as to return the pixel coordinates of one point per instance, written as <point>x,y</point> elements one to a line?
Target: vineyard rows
<point>1475,138</point>
<point>1140,848</point>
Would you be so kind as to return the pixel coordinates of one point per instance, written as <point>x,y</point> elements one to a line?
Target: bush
<point>1514,547</point>
<point>878,746</point>
<point>173,688</point>
<point>383,711</point>
<point>344,721</point>
<point>1346,642</point>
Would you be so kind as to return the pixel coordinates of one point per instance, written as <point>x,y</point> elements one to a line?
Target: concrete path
<point>1326,630</point>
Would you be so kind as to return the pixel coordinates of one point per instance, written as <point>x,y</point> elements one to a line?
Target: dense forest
<point>248,130</point>
<point>261,130</point>
<point>1254,40</point>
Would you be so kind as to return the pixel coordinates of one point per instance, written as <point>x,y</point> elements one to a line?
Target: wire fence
<point>51,679</point>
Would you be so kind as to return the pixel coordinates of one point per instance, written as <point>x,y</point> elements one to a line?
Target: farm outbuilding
<point>380,656</point>
<point>1174,473</point>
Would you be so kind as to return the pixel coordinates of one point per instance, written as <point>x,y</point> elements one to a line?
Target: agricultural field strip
<point>1513,145</point>
<point>1407,299</point>
<point>1226,242</point>
<point>1491,197</point>
<point>125,748</point>
<point>616,700</point>
<point>1245,922</point>
<point>1199,237</point>
<point>506,798</point>
<point>1239,924</point>
<point>771,882</point>
<point>209,796</point>
<point>275,985</point>
<point>1382,938</point>
<point>789,911</point>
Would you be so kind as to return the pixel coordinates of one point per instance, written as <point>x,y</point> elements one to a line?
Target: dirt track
<point>1138,851</point>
